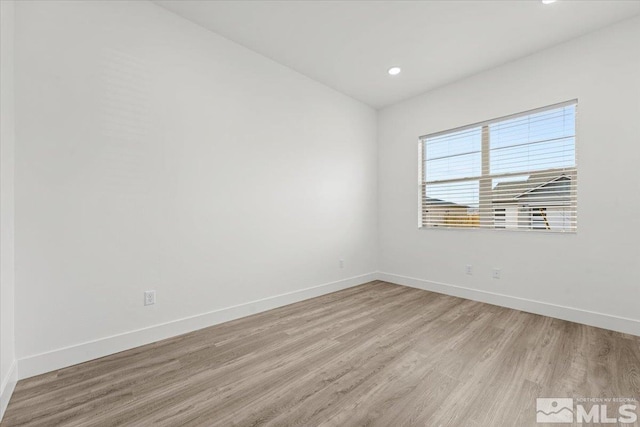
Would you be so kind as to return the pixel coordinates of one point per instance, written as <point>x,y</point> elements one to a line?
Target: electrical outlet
<point>149,297</point>
<point>341,263</point>
<point>496,273</point>
<point>468,270</point>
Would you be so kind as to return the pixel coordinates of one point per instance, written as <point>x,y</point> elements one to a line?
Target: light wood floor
<point>377,354</point>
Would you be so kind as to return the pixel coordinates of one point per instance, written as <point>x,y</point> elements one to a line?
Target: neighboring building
<point>540,202</point>
<point>448,214</point>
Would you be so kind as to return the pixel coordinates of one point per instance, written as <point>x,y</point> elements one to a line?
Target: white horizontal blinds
<point>513,173</point>
<point>452,168</point>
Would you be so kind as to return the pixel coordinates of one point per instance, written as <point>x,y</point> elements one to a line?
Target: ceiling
<point>350,45</point>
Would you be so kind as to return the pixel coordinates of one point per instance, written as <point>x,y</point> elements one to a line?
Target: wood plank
<point>375,354</point>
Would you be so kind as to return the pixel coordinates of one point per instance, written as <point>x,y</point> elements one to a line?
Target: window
<point>514,173</point>
<point>501,217</point>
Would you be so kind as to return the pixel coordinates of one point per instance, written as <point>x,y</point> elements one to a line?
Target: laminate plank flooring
<point>376,354</point>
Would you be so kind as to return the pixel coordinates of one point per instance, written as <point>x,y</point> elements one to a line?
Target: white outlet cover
<point>496,273</point>
<point>149,297</point>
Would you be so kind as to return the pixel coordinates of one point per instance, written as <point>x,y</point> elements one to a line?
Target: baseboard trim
<point>60,358</point>
<point>79,353</point>
<point>8,385</point>
<point>591,318</point>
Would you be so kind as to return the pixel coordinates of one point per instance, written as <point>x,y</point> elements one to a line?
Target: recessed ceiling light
<point>394,71</point>
<point>548,1</point>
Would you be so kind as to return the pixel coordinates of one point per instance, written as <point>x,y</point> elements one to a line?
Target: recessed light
<point>548,1</point>
<point>394,71</point>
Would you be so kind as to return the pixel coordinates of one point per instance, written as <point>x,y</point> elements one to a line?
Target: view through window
<point>517,172</point>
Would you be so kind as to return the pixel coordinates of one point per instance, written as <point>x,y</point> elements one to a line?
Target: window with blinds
<point>513,173</point>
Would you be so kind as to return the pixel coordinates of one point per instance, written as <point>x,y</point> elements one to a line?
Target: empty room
<point>319,213</point>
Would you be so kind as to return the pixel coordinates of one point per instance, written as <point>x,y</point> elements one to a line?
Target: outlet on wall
<point>341,262</point>
<point>496,273</point>
<point>468,270</point>
<point>149,297</point>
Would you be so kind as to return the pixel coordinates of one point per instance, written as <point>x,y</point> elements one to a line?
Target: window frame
<point>485,178</point>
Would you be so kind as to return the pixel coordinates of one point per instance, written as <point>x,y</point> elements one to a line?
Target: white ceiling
<point>349,45</point>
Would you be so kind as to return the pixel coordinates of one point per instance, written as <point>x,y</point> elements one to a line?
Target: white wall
<point>8,369</point>
<point>154,154</point>
<point>593,272</point>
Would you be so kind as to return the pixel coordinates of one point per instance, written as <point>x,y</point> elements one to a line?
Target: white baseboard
<point>591,318</point>
<point>7,387</point>
<point>79,353</point>
<point>68,356</point>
